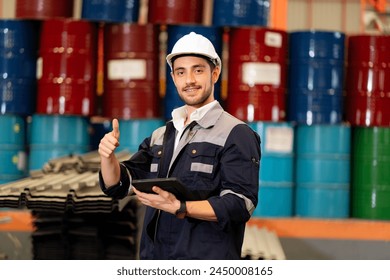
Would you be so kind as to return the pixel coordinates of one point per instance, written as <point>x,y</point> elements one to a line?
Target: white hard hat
<point>197,44</point>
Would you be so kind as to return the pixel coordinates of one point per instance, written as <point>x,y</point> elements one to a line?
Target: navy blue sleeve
<point>240,165</point>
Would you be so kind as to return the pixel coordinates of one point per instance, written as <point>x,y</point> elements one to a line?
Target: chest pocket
<point>156,152</point>
<point>203,158</point>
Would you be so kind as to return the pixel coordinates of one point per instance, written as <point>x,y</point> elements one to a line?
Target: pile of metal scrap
<point>67,183</point>
<point>261,244</point>
<point>72,217</point>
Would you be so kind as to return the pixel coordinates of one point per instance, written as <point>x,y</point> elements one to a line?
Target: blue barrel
<point>316,77</point>
<point>322,174</point>
<point>175,32</point>
<point>110,10</point>
<point>317,44</point>
<point>241,12</point>
<point>307,107</point>
<point>134,131</point>
<point>18,57</point>
<point>13,155</point>
<point>52,136</point>
<point>276,169</point>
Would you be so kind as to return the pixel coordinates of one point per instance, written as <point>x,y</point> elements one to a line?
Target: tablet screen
<point>172,185</point>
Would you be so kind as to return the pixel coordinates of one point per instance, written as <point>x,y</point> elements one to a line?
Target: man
<point>215,156</point>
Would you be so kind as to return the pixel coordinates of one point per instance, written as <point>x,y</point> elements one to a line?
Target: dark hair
<point>208,59</point>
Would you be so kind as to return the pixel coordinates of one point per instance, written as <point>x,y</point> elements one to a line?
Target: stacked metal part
<point>88,236</point>
<point>261,244</point>
<point>72,217</point>
<point>64,184</point>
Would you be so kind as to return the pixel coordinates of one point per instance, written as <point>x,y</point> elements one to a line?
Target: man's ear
<point>216,73</point>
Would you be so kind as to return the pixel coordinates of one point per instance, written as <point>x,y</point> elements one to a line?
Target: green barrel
<point>370,181</point>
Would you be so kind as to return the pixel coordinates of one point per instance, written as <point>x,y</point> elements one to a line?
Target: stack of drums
<point>53,136</point>
<point>276,170</point>
<point>67,67</point>
<point>316,77</point>
<point>66,73</point>
<point>257,74</point>
<point>174,33</point>
<point>368,80</point>
<point>322,174</point>
<point>367,107</point>
<point>131,82</point>
<point>12,148</point>
<point>240,13</point>
<point>18,57</point>
<point>370,173</point>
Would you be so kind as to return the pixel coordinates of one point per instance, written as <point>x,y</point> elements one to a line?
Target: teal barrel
<point>134,131</point>
<point>370,182</point>
<point>52,136</point>
<point>13,157</point>
<point>322,174</point>
<point>276,169</point>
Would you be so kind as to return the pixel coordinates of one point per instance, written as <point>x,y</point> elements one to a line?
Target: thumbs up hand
<point>115,129</point>
<point>110,141</point>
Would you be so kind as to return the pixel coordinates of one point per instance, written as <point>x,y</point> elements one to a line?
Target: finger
<point>115,128</point>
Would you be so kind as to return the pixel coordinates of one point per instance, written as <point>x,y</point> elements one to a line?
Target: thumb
<point>115,128</point>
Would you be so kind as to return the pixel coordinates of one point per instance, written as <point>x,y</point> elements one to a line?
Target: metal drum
<point>133,132</point>
<point>315,107</point>
<point>370,180</point>
<point>18,57</point>
<point>13,155</point>
<point>56,135</point>
<point>111,10</point>
<point>316,77</point>
<point>175,11</point>
<point>131,80</point>
<point>276,169</point>
<point>368,81</point>
<point>174,33</point>
<point>44,9</point>
<point>257,74</point>
<point>67,67</point>
<point>322,173</point>
<point>241,12</point>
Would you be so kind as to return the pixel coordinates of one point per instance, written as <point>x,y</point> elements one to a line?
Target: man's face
<point>194,80</point>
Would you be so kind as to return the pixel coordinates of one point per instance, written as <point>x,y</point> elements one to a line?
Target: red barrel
<point>131,76</point>
<point>257,74</point>
<point>368,110</point>
<point>368,80</point>
<point>67,67</point>
<point>44,9</point>
<point>175,11</point>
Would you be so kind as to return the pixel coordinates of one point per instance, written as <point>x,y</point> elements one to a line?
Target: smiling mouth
<point>191,89</point>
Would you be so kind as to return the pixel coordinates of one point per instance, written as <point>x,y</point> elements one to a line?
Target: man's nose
<point>190,78</point>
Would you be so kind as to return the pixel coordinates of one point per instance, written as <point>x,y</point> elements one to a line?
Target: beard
<point>197,100</point>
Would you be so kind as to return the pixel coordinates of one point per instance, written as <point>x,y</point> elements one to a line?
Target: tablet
<point>172,185</point>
